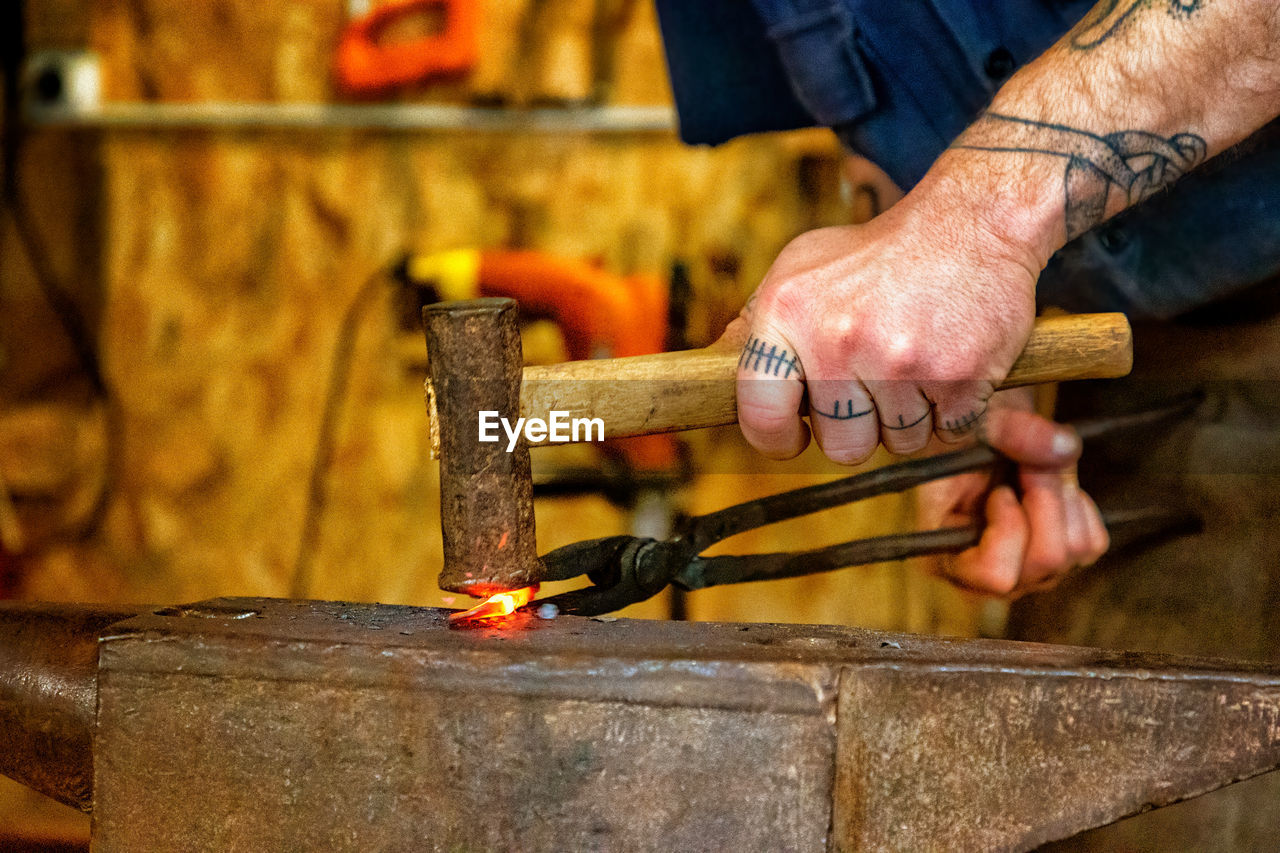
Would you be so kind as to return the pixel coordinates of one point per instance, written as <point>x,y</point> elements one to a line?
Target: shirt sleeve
<point>725,72</point>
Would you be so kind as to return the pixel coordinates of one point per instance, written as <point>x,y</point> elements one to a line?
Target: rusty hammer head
<point>486,492</point>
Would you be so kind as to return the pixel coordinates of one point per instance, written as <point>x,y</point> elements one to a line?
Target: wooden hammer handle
<point>674,391</point>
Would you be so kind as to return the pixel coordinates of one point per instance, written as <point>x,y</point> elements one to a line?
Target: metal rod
<point>706,530</point>
<point>703,572</point>
<point>215,115</point>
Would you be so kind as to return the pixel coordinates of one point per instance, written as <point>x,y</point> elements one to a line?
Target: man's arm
<point>904,326</point>
<point>901,328</point>
<point>1136,95</point>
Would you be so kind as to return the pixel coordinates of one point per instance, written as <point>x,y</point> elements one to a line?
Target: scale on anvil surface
<point>251,724</point>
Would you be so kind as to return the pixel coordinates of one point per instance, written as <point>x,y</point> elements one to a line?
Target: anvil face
<point>262,724</point>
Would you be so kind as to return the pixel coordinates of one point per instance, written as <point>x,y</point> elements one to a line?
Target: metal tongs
<point>624,570</point>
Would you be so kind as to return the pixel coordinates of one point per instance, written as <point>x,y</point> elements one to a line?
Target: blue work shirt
<point>898,80</point>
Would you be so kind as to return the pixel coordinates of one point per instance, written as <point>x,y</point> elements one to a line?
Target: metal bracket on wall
<point>62,90</point>
<point>57,82</point>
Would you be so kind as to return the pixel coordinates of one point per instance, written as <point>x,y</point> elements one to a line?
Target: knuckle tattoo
<point>963,424</point>
<point>765,358</point>
<point>904,424</point>
<point>842,410</point>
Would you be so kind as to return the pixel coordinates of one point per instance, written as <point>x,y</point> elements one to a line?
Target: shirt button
<point>1000,63</point>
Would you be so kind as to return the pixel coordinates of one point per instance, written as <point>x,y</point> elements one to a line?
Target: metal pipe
<point>214,115</point>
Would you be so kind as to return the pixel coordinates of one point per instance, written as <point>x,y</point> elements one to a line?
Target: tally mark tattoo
<point>1138,163</point>
<point>763,357</point>
<point>964,425</point>
<point>902,421</point>
<point>1110,16</point>
<point>847,415</point>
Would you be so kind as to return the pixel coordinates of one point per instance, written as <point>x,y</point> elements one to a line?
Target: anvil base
<point>253,724</point>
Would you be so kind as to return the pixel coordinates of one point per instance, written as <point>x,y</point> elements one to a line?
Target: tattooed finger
<point>770,390</point>
<point>958,426</point>
<point>769,359</point>
<point>844,420</point>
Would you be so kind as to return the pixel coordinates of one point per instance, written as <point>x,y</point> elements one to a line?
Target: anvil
<point>259,724</point>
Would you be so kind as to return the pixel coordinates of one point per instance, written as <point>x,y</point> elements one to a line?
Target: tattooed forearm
<point>1111,16</point>
<point>1136,163</point>
<point>761,356</point>
<point>847,414</point>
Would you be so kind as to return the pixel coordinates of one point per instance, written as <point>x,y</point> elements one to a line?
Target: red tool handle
<point>363,65</point>
<point>594,310</point>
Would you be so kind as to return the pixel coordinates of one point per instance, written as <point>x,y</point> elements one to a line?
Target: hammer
<point>475,365</point>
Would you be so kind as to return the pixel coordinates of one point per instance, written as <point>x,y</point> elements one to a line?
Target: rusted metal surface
<point>250,724</point>
<point>1218,595</point>
<point>1009,757</point>
<point>332,727</point>
<point>48,695</point>
<point>486,493</point>
<point>295,725</point>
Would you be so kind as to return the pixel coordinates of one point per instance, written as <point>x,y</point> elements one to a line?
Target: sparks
<point>494,607</point>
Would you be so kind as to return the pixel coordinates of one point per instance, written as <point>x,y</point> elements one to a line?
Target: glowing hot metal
<point>494,607</point>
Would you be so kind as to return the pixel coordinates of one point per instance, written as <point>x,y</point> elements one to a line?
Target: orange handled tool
<point>364,64</point>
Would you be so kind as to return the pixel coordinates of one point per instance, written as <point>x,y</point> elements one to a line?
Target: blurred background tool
<point>373,57</point>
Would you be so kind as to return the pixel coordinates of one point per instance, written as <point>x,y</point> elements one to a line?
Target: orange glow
<point>494,607</point>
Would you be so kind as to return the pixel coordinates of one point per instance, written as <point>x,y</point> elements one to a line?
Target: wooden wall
<point>217,271</point>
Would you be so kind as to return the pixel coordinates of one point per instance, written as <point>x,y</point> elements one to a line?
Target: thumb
<point>1029,439</point>
<point>770,386</point>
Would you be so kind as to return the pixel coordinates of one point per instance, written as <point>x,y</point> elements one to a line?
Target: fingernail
<point>1066,442</point>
